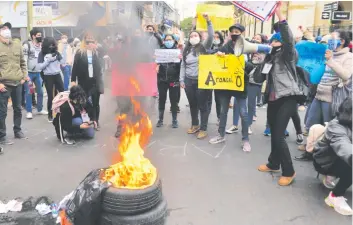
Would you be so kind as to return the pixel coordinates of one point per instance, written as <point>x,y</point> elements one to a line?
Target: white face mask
<point>216,42</point>
<point>6,33</point>
<point>194,40</point>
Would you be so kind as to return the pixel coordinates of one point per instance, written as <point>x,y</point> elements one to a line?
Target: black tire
<point>129,202</point>
<point>156,216</point>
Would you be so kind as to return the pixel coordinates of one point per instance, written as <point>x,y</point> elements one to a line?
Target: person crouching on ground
<point>74,117</point>
<point>333,156</point>
<point>168,79</point>
<point>282,95</point>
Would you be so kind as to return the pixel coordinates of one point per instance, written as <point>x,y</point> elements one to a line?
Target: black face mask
<point>39,39</point>
<point>234,37</point>
<point>275,49</point>
<point>52,49</point>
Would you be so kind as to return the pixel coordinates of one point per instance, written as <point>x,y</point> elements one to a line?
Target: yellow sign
<point>221,73</point>
<point>222,17</point>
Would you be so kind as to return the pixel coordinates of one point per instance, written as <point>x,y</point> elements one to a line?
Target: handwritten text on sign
<point>312,59</point>
<point>42,16</point>
<point>167,55</point>
<point>221,73</point>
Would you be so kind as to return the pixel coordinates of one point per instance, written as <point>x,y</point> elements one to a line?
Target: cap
<point>237,26</point>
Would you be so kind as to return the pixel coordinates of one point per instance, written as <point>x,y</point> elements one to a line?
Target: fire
<point>134,171</point>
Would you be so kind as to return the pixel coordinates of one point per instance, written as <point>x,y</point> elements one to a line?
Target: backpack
<point>59,100</point>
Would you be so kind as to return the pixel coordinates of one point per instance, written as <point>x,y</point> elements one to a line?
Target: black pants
<point>16,95</point>
<point>279,113</point>
<point>95,102</point>
<point>218,104</point>
<point>339,169</point>
<point>174,96</point>
<point>198,101</point>
<point>296,123</point>
<point>54,85</point>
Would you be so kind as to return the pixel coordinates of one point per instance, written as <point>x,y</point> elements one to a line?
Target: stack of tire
<point>134,206</point>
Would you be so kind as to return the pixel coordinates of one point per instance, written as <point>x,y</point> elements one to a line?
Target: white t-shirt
<point>90,63</point>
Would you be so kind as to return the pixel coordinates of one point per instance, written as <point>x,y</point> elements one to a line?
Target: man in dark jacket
<point>225,95</point>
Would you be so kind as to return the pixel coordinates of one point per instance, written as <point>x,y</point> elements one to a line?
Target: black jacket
<point>228,49</point>
<point>80,72</point>
<point>169,72</point>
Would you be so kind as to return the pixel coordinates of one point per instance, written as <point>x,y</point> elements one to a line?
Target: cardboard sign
<point>144,74</point>
<point>312,58</point>
<point>262,10</point>
<point>221,73</point>
<point>222,17</point>
<point>167,55</point>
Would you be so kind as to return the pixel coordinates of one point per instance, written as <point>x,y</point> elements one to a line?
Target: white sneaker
<point>29,115</point>
<point>43,112</point>
<point>217,139</point>
<point>339,204</point>
<point>232,129</point>
<point>249,131</point>
<point>246,146</point>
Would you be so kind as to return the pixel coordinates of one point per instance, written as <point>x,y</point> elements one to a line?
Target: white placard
<point>167,55</point>
<point>42,16</point>
<point>261,10</point>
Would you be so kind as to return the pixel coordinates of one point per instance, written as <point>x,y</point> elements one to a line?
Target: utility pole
<point>29,16</point>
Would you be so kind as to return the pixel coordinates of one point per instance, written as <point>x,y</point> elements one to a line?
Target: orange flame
<point>134,171</point>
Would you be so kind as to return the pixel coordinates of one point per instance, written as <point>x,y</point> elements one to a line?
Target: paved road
<point>203,184</point>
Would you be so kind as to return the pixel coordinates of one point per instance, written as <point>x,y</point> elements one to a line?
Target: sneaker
<point>267,132</point>
<point>69,141</point>
<point>159,123</point>
<point>50,119</point>
<point>286,133</point>
<point>330,181</point>
<point>300,139</point>
<point>43,112</point>
<point>302,148</point>
<point>175,124</point>
<point>233,129</point>
<point>202,134</point>
<point>5,141</point>
<point>20,135</point>
<point>254,118</point>
<point>217,139</point>
<point>339,204</point>
<point>306,156</point>
<point>305,133</point>
<point>249,131</point>
<point>265,168</point>
<point>29,115</point>
<point>193,129</point>
<point>286,181</point>
<point>246,146</point>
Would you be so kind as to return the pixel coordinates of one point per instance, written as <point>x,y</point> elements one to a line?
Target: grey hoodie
<point>31,52</point>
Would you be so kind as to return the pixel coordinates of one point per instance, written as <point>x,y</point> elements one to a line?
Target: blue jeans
<point>253,92</point>
<point>319,113</point>
<point>87,133</point>
<point>37,80</point>
<point>224,99</point>
<point>67,74</point>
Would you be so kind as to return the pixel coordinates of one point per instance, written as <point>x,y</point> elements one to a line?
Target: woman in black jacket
<point>87,73</point>
<point>168,79</point>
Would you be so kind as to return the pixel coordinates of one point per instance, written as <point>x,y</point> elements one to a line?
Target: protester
<point>87,72</point>
<point>225,95</point>
<point>333,156</point>
<point>73,117</point>
<point>31,50</point>
<point>65,50</point>
<point>154,41</point>
<point>338,71</point>
<point>168,79</point>
<point>189,72</point>
<point>13,70</point>
<point>282,96</point>
<point>49,61</point>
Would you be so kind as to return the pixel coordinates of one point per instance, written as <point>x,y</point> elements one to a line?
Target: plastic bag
<point>84,206</point>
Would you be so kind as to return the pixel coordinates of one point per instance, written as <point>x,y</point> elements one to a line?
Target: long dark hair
<point>197,49</point>
<point>344,114</point>
<point>78,97</point>
<point>346,36</point>
<point>47,42</point>
<point>221,38</point>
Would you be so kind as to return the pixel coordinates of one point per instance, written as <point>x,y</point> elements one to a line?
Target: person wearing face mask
<point>66,51</point>
<point>13,73</point>
<point>168,79</point>
<point>338,70</point>
<point>87,73</point>
<point>282,95</point>
<point>73,117</point>
<point>225,95</point>
<point>31,50</point>
<point>189,72</point>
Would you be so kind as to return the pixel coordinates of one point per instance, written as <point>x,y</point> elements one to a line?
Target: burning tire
<point>155,216</point>
<point>129,202</point>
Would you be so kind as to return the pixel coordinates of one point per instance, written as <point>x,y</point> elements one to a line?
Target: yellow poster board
<point>221,73</point>
<point>222,16</point>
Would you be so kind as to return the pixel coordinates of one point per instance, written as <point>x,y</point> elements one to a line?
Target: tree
<point>186,25</point>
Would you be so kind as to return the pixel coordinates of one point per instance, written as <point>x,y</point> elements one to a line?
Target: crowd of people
<point>273,79</point>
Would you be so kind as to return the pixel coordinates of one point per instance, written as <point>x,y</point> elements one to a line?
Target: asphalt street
<point>204,184</point>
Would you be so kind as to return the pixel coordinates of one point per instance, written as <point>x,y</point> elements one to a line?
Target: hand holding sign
<point>328,54</point>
